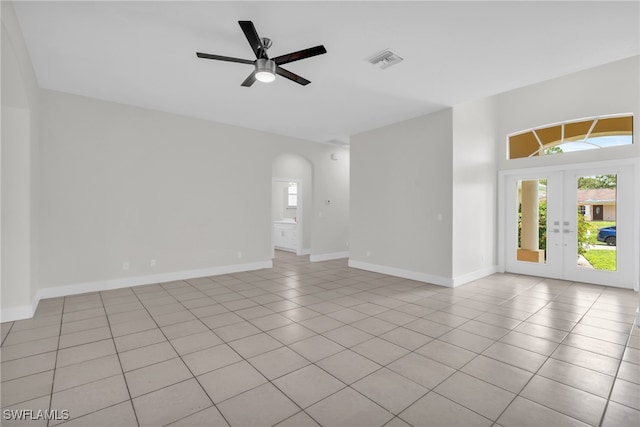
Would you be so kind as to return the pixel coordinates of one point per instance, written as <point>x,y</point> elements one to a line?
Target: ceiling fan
<point>265,68</point>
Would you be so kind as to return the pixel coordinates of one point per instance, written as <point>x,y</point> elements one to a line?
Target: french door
<point>552,220</point>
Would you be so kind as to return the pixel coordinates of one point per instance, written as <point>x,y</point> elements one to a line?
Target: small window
<point>292,195</point>
<point>585,134</point>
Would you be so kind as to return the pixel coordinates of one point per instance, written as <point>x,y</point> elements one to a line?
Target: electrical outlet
<point>125,265</point>
<point>368,253</point>
<point>153,263</point>
<point>239,254</point>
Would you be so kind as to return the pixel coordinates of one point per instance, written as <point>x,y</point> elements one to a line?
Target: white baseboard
<point>18,313</point>
<point>305,252</point>
<point>329,256</point>
<point>405,274</point>
<point>424,277</point>
<point>26,311</point>
<point>105,285</point>
<point>475,275</point>
<point>282,248</point>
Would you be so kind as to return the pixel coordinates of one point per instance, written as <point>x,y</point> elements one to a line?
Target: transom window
<point>579,135</point>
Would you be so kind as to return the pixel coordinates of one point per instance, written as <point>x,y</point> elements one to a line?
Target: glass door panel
<point>532,220</point>
<point>534,202</point>
<point>603,200</point>
<point>597,209</point>
<point>565,224</point>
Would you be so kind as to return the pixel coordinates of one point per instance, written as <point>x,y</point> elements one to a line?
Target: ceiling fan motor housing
<point>265,69</point>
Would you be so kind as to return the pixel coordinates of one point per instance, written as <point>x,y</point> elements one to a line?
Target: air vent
<point>385,59</point>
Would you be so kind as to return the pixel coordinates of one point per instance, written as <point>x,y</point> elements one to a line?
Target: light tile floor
<point>307,344</point>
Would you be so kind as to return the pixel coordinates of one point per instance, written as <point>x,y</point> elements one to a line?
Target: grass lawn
<point>601,259</point>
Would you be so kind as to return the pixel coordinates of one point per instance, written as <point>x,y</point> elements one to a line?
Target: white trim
<point>570,166</point>
<point>475,275</point>
<point>502,217</point>
<point>304,251</point>
<point>328,256</point>
<point>104,285</point>
<point>406,274</point>
<point>281,248</point>
<point>18,313</point>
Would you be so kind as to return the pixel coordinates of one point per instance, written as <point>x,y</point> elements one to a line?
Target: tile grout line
<point>549,357</point>
<point>615,378</point>
<point>456,370</point>
<point>483,322</point>
<point>53,379</point>
<point>319,367</point>
<point>7,334</point>
<point>268,381</point>
<point>369,297</point>
<point>498,340</point>
<point>119,362</point>
<point>193,375</point>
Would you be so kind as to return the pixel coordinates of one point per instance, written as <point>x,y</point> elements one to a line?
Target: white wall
<point>16,212</point>
<point>609,89</point>
<point>330,200</point>
<point>19,173</point>
<point>474,190</point>
<point>125,184</point>
<point>401,184</point>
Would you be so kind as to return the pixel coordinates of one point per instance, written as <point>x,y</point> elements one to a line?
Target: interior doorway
<point>287,215</point>
<point>291,201</point>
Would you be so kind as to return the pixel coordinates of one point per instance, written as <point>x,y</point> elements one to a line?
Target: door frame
<point>299,216</point>
<point>633,164</point>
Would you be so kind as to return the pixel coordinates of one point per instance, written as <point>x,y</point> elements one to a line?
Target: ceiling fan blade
<point>249,80</point>
<point>252,37</point>
<point>301,54</point>
<point>224,58</point>
<point>289,75</point>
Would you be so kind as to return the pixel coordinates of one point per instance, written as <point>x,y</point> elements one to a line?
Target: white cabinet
<point>285,235</point>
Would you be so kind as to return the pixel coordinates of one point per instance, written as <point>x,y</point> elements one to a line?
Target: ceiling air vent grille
<point>385,59</point>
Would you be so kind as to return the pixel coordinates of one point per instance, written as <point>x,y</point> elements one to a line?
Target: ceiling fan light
<point>265,76</point>
<point>265,70</point>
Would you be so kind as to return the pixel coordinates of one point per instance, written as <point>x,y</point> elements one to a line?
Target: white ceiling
<point>143,54</point>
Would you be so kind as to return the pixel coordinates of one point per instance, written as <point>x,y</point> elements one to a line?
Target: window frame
<point>539,141</point>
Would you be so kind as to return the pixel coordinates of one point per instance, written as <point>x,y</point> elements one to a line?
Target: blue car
<point>607,235</point>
